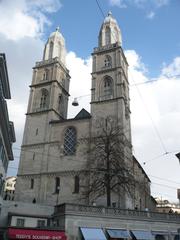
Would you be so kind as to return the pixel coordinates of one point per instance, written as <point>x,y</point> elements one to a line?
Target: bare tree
<point>109,164</point>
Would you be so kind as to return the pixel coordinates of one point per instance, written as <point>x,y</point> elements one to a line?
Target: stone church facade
<point>56,151</point>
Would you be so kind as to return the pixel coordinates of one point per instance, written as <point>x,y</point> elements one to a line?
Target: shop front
<point>35,234</point>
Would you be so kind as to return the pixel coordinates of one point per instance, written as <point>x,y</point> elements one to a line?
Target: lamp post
<point>58,190</point>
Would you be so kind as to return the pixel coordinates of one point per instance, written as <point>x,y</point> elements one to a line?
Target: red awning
<point>32,234</point>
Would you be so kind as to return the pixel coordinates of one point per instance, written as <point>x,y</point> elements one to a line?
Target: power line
<point>153,80</point>
<point>100,9</point>
<point>161,155</point>
<point>165,179</point>
<point>148,113</point>
<point>160,194</point>
<point>164,185</point>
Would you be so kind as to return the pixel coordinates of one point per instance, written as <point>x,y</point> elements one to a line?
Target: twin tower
<point>55,151</point>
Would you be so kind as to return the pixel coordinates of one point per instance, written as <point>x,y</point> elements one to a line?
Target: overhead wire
<point>160,178</point>
<point>168,180</point>
<point>100,9</point>
<point>148,113</point>
<point>159,156</point>
<point>165,179</point>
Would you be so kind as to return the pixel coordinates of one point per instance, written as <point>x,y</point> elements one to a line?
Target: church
<point>87,159</point>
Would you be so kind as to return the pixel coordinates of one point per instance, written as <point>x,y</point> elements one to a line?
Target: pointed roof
<point>110,18</point>
<point>110,32</point>
<point>56,34</point>
<point>83,114</point>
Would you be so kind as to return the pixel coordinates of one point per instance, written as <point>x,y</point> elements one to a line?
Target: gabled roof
<point>83,114</point>
<point>139,165</point>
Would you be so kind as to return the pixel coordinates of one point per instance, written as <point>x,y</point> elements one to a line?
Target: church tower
<point>48,101</point>
<point>110,86</point>
<point>110,101</point>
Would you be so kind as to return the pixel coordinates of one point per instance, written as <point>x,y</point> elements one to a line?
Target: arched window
<point>46,74</point>
<point>57,185</point>
<point>176,237</point>
<point>107,88</point>
<point>44,99</point>
<point>61,105</point>
<point>159,237</point>
<point>116,35</point>
<point>51,50</point>
<point>32,183</point>
<point>37,131</point>
<point>59,49</point>
<point>107,61</point>
<point>70,141</point>
<point>94,63</point>
<point>76,184</point>
<point>107,36</point>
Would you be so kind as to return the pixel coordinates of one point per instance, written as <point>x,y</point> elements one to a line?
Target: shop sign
<point>26,234</point>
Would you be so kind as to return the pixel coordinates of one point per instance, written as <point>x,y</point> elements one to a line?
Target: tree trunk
<point>108,187</point>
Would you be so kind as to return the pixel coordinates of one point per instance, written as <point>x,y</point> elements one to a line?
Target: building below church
<point>74,221</point>
<point>9,188</point>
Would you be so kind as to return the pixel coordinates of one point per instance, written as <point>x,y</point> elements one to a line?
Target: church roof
<point>56,34</point>
<point>110,18</point>
<point>139,165</point>
<point>83,114</point>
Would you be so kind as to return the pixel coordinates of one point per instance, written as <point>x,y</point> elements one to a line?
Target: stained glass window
<point>70,141</point>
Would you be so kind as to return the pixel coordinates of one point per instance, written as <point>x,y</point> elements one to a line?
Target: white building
<point>7,135</point>
<point>9,188</point>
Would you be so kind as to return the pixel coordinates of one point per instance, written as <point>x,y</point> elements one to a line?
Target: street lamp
<point>178,156</point>
<point>75,102</point>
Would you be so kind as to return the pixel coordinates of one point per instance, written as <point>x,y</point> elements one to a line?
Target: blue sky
<point>155,38</point>
<point>151,41</point>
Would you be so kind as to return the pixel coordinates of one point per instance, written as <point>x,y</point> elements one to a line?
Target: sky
<point>151,42</point>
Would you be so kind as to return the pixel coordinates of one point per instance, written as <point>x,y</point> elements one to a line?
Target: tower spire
<point>55,46</point>
<point>110,32</point>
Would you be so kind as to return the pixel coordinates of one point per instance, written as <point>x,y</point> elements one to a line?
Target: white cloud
<point>49,6</point>
<point>155,118</point>
<point>25,18</point>
<point>173,69</point>
<point>150,15</point>
<point>20,60</point>
<point>150,6</point>
<point>80,71</point>
<point>22,23</point>
<point>134,61</point>
<point>160,3</point>
<point>119,3</point>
